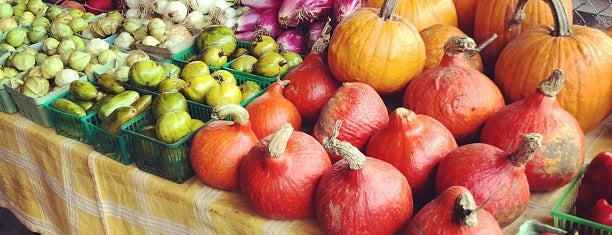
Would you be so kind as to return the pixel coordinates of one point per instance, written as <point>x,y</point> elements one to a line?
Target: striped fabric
<point>56,185</point>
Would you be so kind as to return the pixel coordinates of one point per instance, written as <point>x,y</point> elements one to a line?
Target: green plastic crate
<point>67,124</point>
<point>169,161</point>
<point>33,108</point>
<point>7,105</point>
<point>111,145</point>
<point>184,57</point>
<point>564,213</point>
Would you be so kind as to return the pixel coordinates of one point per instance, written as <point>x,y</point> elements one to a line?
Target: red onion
<point>294,12</point>
<point>268,24</point>
<point>292,40</point>
<point>343,8</point>
<point>316,29</point>
<point>246,22</point>
<point>246,36</point>
<point>261,5</point>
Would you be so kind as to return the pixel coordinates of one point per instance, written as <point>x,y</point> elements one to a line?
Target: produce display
<point>378,117</point>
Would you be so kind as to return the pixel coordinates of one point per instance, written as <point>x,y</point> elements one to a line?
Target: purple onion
<point>268,24</point>
<point>261,5</point>
<point>292,40</point>
<point>343,8</point>
<point>246,22</point>
<point>246,36</point>
<point>294,12</point>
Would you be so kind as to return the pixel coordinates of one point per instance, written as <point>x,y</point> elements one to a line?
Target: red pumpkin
<point>99,6</point>
<point>454,93</point>
<point>271,110</point>
<point>279,175</point>
<point>454,212</point>
<point>414,144</point>
<point>361,110</point>
<point>72,5</point>
<point>218,147</point>
<point>361,195</point>
<point>561,156</point>
<point>491,173</point>
<point>311,86</point>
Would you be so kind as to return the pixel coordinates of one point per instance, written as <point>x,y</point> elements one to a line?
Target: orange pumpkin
<point>434,37</point>
<point>423,13</point>
<point>609,32</point>
<point>384,51</point>
<point>465,15</point>
<point>583,53</point>
<point>498,17</point>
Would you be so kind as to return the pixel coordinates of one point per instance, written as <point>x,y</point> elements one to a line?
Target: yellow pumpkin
<point>498,17</point>
<point>583,53</point>
<point>384,51</point>
<point>423,13</point>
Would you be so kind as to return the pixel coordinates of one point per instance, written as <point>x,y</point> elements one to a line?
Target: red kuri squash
<point>271,110</point>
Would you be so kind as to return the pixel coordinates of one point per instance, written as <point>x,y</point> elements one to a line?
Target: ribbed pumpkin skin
<point>423,13</point>
<point>383,54</point>
<point>465,15</point>
<point>495,17</point>
<point>434,38</point>
<point>585,57</point>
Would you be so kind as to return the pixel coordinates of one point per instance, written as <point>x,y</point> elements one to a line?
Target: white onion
<point>133,4</point>
<point>195,19</point>
<point>160,6</point>
<point>175,11</point>
<point>230,23</point>
<point>203,6</point>
<point>133,13</point>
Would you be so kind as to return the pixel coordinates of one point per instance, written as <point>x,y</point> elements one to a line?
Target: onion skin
<point>485,169</point>
<point>563,150</point>
<point>218,149</point>
<point>361,110</point>
<point>292,40</point>
<point>295,12</point>
<point>268,23</point>
<point>441,216</point>
<point>311,86</point>
<point>343,8</point>
<point>414,144</point>
<point>246,22</point>
<point>283,187</point>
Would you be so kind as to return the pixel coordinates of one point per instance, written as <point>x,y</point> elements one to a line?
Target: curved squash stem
<point>526,149</point>
<point>485,43</point>
<point>278,144</point>
<point>348,152</point>
<point>562,24</point>
<point>552,85</point>
<point>465,207</point>
<point>238,113</point>
<point>387,9</point>
<point>320,45</point>
<point>459,44</point>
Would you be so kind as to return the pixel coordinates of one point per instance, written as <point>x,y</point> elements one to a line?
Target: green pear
<point>171,85</point>
<point>244,63</point>
<point>224,76</point>
<point>173,126</point>
<point>249,89</point>
<point>197,88</point>
<point>263,44</point>
<point>271,64</point>
<point>226,93</point>
<point>196,124</point>
<point>213,56</point>
<point>194,68</point>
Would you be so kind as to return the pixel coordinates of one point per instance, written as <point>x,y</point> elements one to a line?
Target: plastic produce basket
<point>564,213</point>
<point>7,105</point>
<point>67,124</point>
<point>184,57</point>
<point>111,145</point>
<point>32,108</point>
<point>169,161</point>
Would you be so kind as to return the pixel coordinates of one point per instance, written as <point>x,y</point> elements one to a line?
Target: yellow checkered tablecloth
<point>56,185</point>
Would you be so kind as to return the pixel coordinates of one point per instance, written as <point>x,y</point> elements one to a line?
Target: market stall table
<point>56,185</point>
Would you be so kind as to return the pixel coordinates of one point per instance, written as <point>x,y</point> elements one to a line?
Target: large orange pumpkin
<point>423,13</point>
<point>498,17</point>
<point>376,47</point>
<point>434,37</point>
<point>465,15</point>
<point>609,32</point>
<point>585,54</point>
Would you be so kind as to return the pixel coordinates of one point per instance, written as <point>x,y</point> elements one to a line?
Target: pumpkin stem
<point>387,9</point>
<point>279,141</point>
<point>459,44</point>
<point>482,45</point>
<point>238,113</point>
<point>526,149</point>
<point>348,152</point>
<point>405,113</point>
<point>553,84</point>
<point>562,24</point>
<point>465,208</point>
<point>320,45</point>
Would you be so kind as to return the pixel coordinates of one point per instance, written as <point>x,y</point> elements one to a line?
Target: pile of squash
<point>494,105</point>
